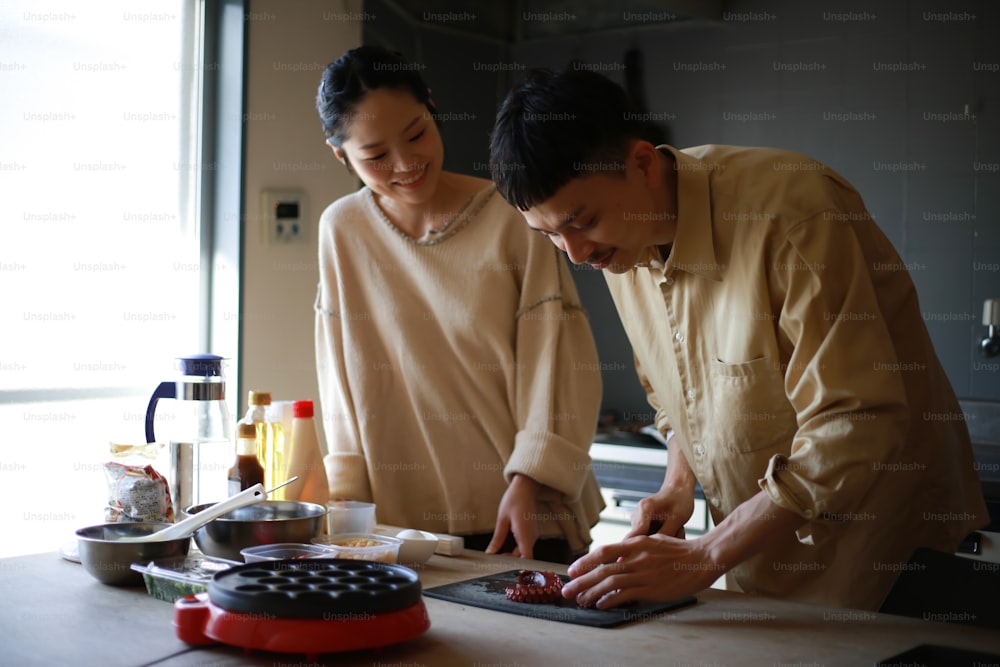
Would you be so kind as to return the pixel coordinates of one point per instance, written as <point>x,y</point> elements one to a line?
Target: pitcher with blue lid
<point>199,427</point>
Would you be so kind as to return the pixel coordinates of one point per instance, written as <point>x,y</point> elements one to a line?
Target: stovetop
<point>617,451</point>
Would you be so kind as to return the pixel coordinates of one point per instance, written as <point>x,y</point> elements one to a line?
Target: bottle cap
<point>245,430</point>
<point>260,398</point>
<point>302,409</point>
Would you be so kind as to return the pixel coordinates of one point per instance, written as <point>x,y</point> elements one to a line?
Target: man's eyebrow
<point>380,143</point>
<point>568,221</point>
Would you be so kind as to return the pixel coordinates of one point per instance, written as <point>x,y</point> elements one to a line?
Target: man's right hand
<point>664,512</point>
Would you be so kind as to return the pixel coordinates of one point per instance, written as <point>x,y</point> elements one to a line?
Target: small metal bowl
<point>109,560</point>
<point>266,522</point>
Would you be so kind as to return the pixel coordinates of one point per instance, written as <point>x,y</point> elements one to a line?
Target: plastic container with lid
<point>295,550</point>
<point>361,546</point>
<point>170,579</point>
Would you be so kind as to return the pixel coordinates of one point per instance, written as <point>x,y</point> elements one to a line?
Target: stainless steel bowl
<point>267,522</point>
<point>109,560</point>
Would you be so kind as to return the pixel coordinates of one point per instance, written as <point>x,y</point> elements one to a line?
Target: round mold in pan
<point>315,588</point>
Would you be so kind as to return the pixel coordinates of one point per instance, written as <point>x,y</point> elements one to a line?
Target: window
<point>101,275</point>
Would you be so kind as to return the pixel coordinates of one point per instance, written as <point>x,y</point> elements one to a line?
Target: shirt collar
<point>693,250</point>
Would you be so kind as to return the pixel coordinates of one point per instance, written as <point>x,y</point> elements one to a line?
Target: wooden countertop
<point>55,613</point>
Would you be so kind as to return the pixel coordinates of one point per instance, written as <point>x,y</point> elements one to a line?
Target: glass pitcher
<point>200,443</point>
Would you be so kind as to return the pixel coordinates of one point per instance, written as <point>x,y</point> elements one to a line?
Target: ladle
<point>188,526</point>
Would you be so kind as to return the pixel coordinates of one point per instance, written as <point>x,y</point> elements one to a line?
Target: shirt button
<point>691,394</point>
<point>679,337</point>
<point>808,514</point>
<point>699,450</point>
<point>668,280</point>
<point>715,501</point>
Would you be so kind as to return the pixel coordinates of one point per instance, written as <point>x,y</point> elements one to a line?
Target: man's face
<point>606,220</point>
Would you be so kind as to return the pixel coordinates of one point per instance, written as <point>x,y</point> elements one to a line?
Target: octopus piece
<point>535,587</point>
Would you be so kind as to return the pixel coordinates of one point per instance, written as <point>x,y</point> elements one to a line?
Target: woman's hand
<point>518,513</point>
<point>654,568</point>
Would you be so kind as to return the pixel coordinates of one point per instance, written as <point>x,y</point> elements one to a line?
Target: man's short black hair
<point>555,126</point>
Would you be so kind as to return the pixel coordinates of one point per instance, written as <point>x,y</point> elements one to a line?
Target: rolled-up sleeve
<point>558,380</point>
<point>842,377</point>
<point>345,463</point>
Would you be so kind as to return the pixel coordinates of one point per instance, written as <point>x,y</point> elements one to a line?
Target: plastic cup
<point>349,516</point>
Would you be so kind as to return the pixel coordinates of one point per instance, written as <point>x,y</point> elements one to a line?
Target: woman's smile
<point>414,178</point>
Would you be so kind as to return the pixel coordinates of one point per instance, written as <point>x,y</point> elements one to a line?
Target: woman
<point>458,376</point>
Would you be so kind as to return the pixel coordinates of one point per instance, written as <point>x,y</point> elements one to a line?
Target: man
<point>777,334</point>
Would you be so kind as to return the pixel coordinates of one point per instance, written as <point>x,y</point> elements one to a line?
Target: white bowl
<point>417,547</point>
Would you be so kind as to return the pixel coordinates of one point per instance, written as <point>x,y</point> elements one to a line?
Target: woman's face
<point>394,146</point>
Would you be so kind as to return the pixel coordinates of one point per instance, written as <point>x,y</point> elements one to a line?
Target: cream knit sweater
<point>449,363</point>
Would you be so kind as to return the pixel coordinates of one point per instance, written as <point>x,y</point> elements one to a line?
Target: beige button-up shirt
<point>783,342</point>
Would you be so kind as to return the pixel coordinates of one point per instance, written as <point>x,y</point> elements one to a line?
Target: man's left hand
<point>650,568</point>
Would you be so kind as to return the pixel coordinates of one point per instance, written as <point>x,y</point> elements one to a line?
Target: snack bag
<point>136,492</point>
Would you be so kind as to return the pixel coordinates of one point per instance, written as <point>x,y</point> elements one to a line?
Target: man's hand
<point>656,567</point>
<point>518,513</point>
<point>665,512</point>
<point>661,568</point>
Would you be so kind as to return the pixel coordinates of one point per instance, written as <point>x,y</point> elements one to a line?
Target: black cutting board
<point>488,593</point>
<point>932,655</point>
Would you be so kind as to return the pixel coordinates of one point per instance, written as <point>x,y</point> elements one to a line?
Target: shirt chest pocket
<point>749,408</point>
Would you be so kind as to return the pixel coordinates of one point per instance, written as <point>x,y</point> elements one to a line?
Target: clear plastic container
<point>352,517</point>
<point>361,546</point>
<point>288,550</point>
<point>170,579</point>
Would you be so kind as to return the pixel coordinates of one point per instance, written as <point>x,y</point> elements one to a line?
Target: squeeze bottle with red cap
<point>305,458</point>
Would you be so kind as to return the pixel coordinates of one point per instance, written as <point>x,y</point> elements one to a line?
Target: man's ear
<point>430,102</point>
<point>644,156</point>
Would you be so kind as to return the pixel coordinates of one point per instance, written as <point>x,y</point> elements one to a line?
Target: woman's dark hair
<point>347,79</point>
<point>555,126</point>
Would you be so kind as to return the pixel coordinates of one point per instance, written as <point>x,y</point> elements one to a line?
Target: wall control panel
<point>284,217</point>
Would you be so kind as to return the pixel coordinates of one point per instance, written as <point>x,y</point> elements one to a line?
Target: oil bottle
<point>270,437</point>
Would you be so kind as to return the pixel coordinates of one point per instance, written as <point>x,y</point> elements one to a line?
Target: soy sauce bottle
<point>247,470</point>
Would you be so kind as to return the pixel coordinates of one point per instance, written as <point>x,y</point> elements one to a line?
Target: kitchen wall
<point>288,46</point>
<point>900,97</point>
<point>879,90</point>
